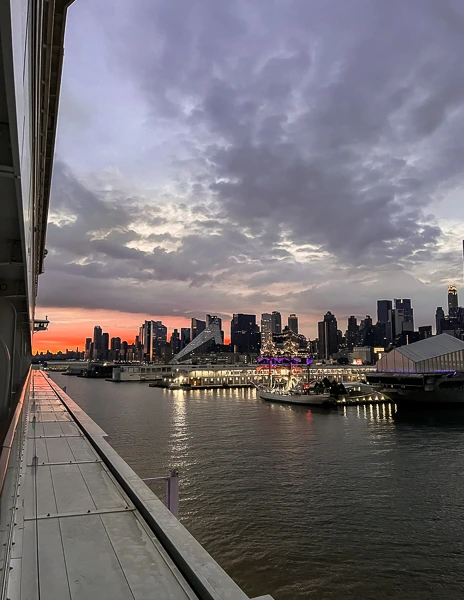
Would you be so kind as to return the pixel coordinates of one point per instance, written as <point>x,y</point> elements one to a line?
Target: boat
<point>295,397</point>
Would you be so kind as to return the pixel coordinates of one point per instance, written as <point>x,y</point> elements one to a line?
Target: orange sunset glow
<point>70,326</point>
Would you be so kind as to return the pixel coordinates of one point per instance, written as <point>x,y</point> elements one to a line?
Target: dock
<point>82,525</point>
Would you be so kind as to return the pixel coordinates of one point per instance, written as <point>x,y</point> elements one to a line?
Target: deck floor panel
<point>78,537</point>
<point>139,556</point>
<point>39,492</point>
<point>93,567</point>
<point>58,450</point>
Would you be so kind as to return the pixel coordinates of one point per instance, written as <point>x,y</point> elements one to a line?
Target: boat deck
<point>77,534</point>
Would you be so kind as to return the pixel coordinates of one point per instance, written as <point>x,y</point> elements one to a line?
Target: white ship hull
<point>306,399</point>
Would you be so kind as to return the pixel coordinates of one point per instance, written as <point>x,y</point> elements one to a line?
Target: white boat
<point>294,397</point>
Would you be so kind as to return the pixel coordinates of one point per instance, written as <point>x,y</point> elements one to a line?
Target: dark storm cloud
<point>296,144</point>
<point>91,231</point>
<point>326,119</point>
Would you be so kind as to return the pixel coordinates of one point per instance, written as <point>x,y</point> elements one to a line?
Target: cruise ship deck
<point>77,534</point>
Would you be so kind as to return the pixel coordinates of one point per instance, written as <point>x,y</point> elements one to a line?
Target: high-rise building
<point>105,346</point>
<point>352,332</point>
<point>266,328</point>
<point>385,316</point>
<point>327,330</point>
<point>175,341</point>
<point>160,336</point>
<point>293,323</point>
<point>152,335</point>
<point>115,348</point>
<point>184,337</point>
<point>276,323</point>
<point>403,317</point>
<point>97,342</point>
<point>244,334</point>
<point>88,349</point>
<point>452,300</point>
<point>197,327</point>
<point>214,319</point>
<point>439,317</point>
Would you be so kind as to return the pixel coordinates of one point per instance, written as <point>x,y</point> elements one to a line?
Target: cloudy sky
<point>254,155</point>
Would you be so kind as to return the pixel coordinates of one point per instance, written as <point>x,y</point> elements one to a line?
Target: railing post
<point>172,492</point>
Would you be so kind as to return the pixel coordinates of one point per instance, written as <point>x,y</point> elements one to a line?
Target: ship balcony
<point>41,324</point>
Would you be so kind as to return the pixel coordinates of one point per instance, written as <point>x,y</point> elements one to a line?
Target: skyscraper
<point>214,319</point>
<point>439,316</point>
<point>452,300</point>
<point>105,345</point>
<point>276,323</point>
<point>97,342</point>
<point>352,332</point>
<point>293,323</point>
<point>197,327</point>
<point>384,316</point>
<point>88,349</point>
<point>266,328</point>
<point>184,337</point>
<point>175,341</point>
<point>403,316</point>
<point>244,334</point>
<point>327,330</point>
<point>160,336</point>
<point>152,335</point>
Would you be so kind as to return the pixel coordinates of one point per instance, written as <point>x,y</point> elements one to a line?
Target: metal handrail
<point>7,443</point>
<point>172,490</point>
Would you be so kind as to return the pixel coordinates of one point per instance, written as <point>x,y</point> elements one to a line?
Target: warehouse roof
<point>432,347</point>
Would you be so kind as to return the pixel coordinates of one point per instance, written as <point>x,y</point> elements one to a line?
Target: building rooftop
<point>431,347</point>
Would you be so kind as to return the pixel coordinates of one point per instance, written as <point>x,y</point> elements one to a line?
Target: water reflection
<point>446,418</point>
<point>382,412</point>
<point>302,502</point>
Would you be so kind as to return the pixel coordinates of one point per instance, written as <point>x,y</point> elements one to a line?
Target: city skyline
<point>261,163</point>
<point>391,312</point>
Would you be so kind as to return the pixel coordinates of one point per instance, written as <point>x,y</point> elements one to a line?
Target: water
<point>296,502</point>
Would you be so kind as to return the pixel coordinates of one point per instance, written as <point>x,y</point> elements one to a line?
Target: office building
<point>452,300</point>
<point>276,323</point>
<point>244,334</point>
<point>88,349</point>
<point>105,346</point>
<point>184,337</point>
<point>115,348</point>
<point>153,334</point>
<point>266,328</point>
<point>97,342</point>
<point>175,341</point>
<point>403,317</point>
<point>205,342</point>
<point>214,319</point>
<point>384,315</point>
<point>352,332</point>
<point>197,327</point>
<point>293,323</point>
<point>439,317</point>
<point>327,330</point>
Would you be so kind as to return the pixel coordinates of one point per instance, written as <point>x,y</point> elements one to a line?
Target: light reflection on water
<point>297,502</point>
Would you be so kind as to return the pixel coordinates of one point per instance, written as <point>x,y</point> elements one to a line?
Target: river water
<point>301,503</point>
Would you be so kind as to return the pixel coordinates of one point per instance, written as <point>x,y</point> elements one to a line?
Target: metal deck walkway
<point>78,536</point>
